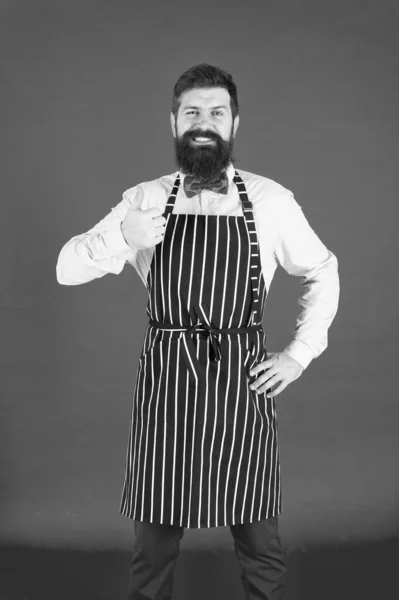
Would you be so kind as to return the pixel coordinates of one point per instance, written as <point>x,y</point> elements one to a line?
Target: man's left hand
<point>279,368</point>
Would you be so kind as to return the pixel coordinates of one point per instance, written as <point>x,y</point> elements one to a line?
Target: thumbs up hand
<point>143,228</point>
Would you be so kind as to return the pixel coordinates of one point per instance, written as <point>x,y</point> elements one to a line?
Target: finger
<point>277,391</point>
<point>267,364</point>
<point>266,385</point>
<point>159,219</point>
<point>266,377</point>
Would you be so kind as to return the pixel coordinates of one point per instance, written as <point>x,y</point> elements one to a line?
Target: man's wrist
<point>299,352</point>
<point>114,241</point>
<point>127,245</point>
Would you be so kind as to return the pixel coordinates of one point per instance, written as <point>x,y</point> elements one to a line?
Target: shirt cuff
<point>300,352</point>
<point>114,241</point>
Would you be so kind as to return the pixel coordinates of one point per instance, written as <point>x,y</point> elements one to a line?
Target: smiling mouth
<point>203,140</point>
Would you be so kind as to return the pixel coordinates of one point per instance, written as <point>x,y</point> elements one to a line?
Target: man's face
<point>204,132</point>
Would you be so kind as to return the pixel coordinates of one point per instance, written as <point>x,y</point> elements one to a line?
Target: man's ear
<point>236,124</point>
<point>173,124</point>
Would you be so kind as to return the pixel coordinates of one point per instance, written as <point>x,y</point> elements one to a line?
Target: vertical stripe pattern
<point>203,446</point>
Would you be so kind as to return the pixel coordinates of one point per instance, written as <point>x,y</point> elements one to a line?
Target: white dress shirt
<point>284,234</point>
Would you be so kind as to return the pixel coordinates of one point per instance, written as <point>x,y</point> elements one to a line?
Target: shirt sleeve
<point>102,249</point>
<point>301,253</point>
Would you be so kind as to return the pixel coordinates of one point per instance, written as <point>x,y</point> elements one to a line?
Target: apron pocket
<point>250,361</point>
<point>158,339</point>
<point>149,350</point>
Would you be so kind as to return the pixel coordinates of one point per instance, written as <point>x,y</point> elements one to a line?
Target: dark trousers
<point>257,547</point>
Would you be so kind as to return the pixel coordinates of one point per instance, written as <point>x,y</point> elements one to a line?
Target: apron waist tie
<point>203,327</point>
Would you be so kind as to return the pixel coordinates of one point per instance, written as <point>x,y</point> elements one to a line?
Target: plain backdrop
<point>86,92</point>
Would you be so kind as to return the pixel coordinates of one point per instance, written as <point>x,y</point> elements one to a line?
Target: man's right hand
<point>143,228</point>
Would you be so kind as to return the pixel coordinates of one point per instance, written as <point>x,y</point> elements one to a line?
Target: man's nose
<point>204,125</point>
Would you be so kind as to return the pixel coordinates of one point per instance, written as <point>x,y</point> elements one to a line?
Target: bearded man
<point>206,240</point>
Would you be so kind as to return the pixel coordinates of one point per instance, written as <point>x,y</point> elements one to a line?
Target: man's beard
<point>203,162</point>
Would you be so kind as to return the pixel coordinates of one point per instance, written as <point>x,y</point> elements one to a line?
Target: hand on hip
<point>279,367</point>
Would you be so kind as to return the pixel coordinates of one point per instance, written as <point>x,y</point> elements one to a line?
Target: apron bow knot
<point>217,353</point>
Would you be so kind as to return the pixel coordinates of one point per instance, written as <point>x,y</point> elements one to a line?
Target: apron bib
<point>203,447</point>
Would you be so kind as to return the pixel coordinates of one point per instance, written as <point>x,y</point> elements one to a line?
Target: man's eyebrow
<point>212,108</point>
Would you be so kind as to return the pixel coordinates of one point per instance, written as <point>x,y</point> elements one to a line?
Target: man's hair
<point>205,76</point>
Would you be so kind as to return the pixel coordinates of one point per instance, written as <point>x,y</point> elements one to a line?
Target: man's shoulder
<point>265,193</point>
<point>261,183</point>
<point>148,191</point>
<point>153,184</point>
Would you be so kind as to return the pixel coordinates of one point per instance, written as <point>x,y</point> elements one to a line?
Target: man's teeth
<point>202,139</point>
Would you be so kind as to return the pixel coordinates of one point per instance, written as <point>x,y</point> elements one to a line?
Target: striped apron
<point>203,448</point>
